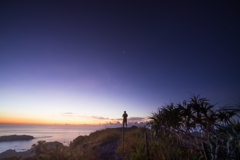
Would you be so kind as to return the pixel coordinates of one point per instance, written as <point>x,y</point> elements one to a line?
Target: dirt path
<point>107,151</point>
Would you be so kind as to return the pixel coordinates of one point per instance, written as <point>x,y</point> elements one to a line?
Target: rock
<point>10,153</point>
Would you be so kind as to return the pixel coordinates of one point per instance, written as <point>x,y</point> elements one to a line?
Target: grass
<point>81,148</point>
<point>96,137</point>
<point>105,135</point>
<point>135,147</point>
<point>86,147</point>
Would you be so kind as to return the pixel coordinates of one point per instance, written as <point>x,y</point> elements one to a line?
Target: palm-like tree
<point>195,114</point>
<point>40,147</point>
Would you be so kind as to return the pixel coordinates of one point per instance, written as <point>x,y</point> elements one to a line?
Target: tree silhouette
<point>40,147</point>
<point>196,114</point>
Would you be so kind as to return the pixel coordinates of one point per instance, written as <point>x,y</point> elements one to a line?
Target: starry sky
<point>88,61</point>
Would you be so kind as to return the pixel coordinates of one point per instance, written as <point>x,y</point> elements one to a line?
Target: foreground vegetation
<point>81,148</point>
<point>87,147</point>
<point>139,146</point>
<point>192,129</point>
<point>217,133</point>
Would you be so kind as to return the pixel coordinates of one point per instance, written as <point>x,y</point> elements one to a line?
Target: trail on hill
<point>107,150</point>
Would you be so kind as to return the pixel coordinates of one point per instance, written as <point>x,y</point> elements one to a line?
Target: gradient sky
<point>88,61</point>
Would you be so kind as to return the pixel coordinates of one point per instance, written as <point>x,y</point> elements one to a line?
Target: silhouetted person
<point>125,118</point>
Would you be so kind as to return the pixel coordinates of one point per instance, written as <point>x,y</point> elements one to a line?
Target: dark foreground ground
<point>106,150</point>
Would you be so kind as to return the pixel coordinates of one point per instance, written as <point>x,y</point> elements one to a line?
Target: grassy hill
<point>107,144</point>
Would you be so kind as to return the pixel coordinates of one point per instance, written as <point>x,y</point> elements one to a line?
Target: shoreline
<point>11,138</point>
<point>101,144</point>
<point>18,145</point>
<point>28,153</point>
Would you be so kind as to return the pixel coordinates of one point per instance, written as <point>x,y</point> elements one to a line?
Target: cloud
<point>68,113</point>
<point>99,118</point>
<point>118,119</point>
<point>130,119</point>
<point>136,118</point>
<point>95,117</point>
<point>130,124</point>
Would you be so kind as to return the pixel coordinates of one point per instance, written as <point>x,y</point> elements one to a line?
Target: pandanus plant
<point>197,114</point>
<point>40,147</point>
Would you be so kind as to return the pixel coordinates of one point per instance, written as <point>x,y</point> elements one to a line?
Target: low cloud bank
<point>135,119</point>
<point>118,124</point>
<point>99,118</point>
<point>110,121</point>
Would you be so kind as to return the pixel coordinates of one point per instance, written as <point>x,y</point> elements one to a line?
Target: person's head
<point>124,112</point>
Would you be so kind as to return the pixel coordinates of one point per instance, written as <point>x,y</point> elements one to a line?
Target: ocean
<point>49,133</point>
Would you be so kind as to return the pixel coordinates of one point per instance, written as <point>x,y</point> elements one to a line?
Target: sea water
<point>49,133</point>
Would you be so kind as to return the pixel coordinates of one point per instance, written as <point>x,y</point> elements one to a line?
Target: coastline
<point>28,153</point>
<point>49,133</point>
<point>101,144</point>
<point>9,138</point>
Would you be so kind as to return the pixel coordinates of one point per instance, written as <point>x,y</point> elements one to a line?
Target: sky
<point>87,62</point>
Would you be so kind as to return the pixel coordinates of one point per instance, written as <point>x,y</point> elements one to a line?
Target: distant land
<point>28,153</point>
<point>16,138</point>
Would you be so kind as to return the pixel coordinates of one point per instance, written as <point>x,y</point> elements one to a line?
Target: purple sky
<point>100,58</point>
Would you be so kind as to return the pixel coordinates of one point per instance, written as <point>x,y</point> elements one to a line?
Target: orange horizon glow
<point>41,122</point>
<point>22,121</point>
<point>48,121</point>
<point>43,119</point>
<point>55,119</point>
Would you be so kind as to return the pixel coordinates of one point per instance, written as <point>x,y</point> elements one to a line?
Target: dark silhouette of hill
<point>16,138</point>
